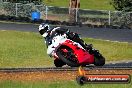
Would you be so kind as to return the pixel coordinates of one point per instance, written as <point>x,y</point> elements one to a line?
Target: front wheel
<point>67,55</point>
<point>58,63</point>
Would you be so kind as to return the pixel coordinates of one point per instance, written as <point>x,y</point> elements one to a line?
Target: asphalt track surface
<point>120,35</point>
<point>65,68</point>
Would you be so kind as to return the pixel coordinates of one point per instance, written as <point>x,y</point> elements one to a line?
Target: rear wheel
<point>99,61</point>
<point>67,55</point>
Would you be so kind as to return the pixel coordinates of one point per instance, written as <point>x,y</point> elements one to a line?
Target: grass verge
<point>27,49</point>
<point>22,49</point>
<point>64,84</point>
<point>84,4</point>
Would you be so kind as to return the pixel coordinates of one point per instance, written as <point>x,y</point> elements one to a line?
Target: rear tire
<point>69,58</point>
<point>100,61</point>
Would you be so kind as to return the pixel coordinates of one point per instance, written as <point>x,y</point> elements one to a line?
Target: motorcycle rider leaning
<point>48,34</point>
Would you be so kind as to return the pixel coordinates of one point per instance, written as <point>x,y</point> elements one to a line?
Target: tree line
<point>122,5</point>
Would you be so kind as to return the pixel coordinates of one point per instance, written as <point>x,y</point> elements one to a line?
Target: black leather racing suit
<point>71,35</point>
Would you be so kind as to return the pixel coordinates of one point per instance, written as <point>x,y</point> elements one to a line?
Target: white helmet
<point>43,28</point>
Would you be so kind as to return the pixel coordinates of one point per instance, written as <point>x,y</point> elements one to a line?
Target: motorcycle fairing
<point>83,56</point>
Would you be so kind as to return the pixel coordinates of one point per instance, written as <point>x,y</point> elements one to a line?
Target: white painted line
<point>3,30</point>
<point>107,40</point>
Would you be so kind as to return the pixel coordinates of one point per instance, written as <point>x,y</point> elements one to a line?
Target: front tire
<point>68,57</point>
<point>58,63</point>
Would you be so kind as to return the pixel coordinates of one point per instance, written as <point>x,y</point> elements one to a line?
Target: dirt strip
<point>53,75</point>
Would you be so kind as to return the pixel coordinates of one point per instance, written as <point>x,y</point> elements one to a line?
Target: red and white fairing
<point>82,55</point>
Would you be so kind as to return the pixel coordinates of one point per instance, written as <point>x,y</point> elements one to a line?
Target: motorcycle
<point>68,52</point>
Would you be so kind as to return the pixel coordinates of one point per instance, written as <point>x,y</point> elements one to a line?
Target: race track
<point>121,35</point>
<point>54,75</point>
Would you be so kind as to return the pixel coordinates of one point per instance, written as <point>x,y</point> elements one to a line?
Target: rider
<point>48,34</point>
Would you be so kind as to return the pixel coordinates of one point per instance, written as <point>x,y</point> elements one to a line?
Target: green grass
<point>84,4</point>
<point>64,84</point>
<point>113,51</point>
<point>22,49</point>
<point>27,49</point>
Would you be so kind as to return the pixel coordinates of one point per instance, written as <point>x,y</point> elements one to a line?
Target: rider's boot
<point>89,47</point>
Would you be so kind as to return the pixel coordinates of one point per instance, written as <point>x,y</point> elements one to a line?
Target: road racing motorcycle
<point>68,52</point>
